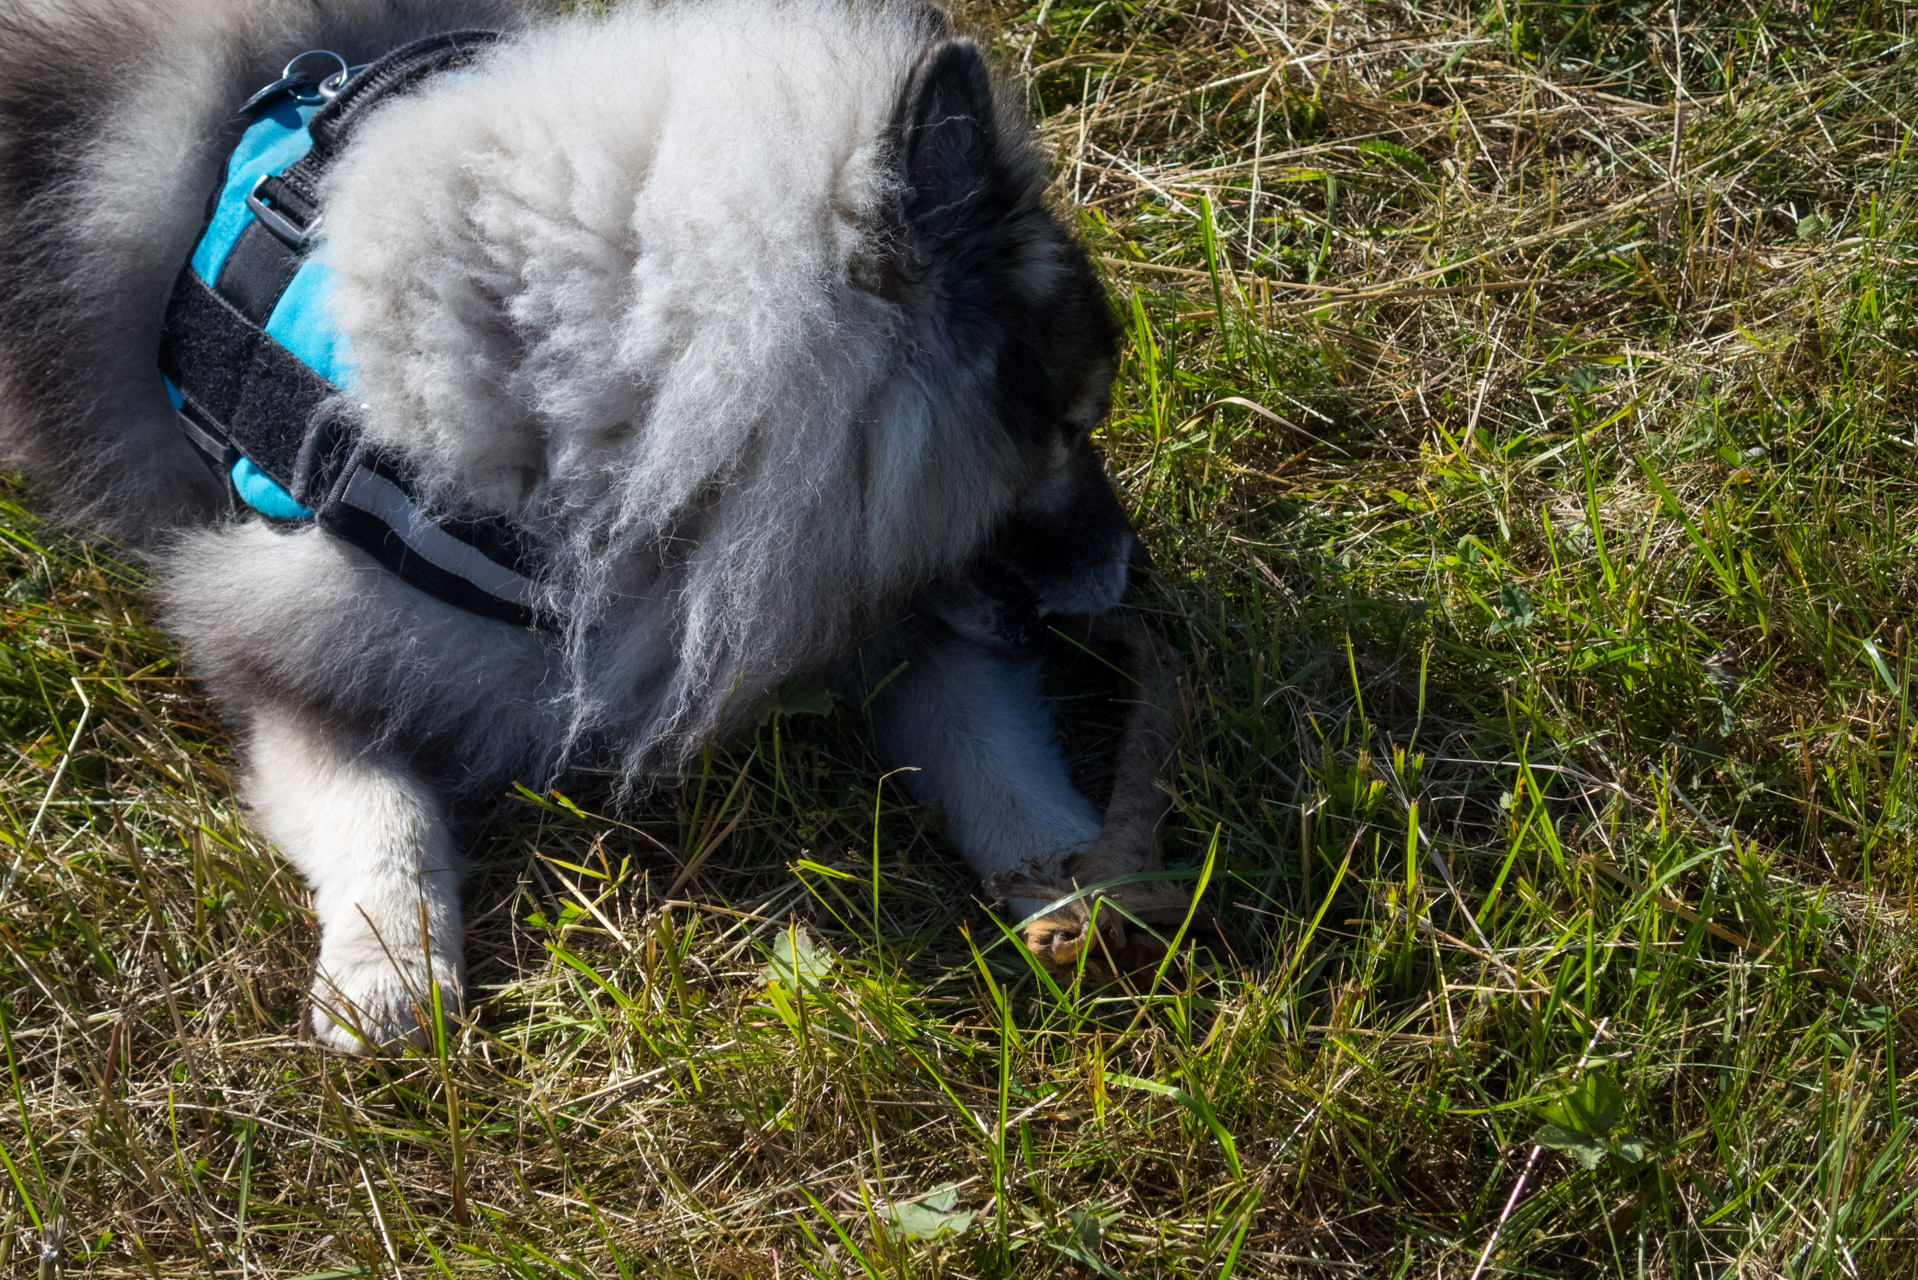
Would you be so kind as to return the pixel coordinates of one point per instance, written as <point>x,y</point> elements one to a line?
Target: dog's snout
<point>1072,543</point>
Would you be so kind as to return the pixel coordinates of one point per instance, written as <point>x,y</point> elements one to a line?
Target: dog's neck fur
<point>604,284</point>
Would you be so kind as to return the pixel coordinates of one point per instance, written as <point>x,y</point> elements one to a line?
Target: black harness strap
<point>295,194</point>
<point>240,383</point>
<point>246,395</point>
<point>476,565</point>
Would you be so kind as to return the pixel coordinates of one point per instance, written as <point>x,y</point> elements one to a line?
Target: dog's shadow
<point>785,825</point>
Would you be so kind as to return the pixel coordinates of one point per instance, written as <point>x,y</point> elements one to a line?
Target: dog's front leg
<point>970,720</point>
<point>372,840</point>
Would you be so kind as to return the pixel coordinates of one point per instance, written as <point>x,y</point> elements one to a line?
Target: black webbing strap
<point>478,565</point>
<point>257,270</point>
<point>395,73</point>
<point>259,395</point>
<point>244,394</point>
<point>296,192</point>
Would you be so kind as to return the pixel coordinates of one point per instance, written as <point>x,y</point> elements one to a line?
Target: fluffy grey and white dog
<point>749,313</point>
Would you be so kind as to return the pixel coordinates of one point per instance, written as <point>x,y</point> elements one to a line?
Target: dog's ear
<point>946,135</point>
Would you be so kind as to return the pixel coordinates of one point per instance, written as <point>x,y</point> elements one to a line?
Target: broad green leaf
<point>1875,1018</point>
<point>1632,1149</point>
<point>793,959</point>
<point>1517,605</point>
<point>928,1216</point>
<point>1593,1106</point>
<point>1587,1150</point>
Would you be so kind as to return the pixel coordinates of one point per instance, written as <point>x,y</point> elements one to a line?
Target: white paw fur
<point>365,999</point>
<point>372,840</point>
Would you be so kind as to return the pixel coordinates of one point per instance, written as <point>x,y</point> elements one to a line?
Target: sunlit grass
<point>1525,460</point>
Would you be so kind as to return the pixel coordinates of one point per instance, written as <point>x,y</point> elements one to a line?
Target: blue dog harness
<point>260,377</point>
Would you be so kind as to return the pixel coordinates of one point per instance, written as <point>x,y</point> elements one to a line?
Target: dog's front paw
<point>1060,937</point>
<point>1102,926</point>
<point>364,1006</point>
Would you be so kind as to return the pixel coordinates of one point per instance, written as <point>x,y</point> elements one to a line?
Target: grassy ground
<point>1518,401</point>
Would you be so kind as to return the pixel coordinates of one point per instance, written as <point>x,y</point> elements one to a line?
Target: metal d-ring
<point>303,88</point>
<point>330,87</point>
<point>311,86</point>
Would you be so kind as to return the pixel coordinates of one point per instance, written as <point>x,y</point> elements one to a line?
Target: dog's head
<point>989,274</point>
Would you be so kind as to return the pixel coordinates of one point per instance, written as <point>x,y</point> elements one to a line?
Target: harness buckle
<point>292,234</point>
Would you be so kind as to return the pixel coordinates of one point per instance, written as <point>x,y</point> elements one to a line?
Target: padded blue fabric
<point>302,323</point>
<point>260,493</point>
<point>269,145</point>
<point>299,321</point>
